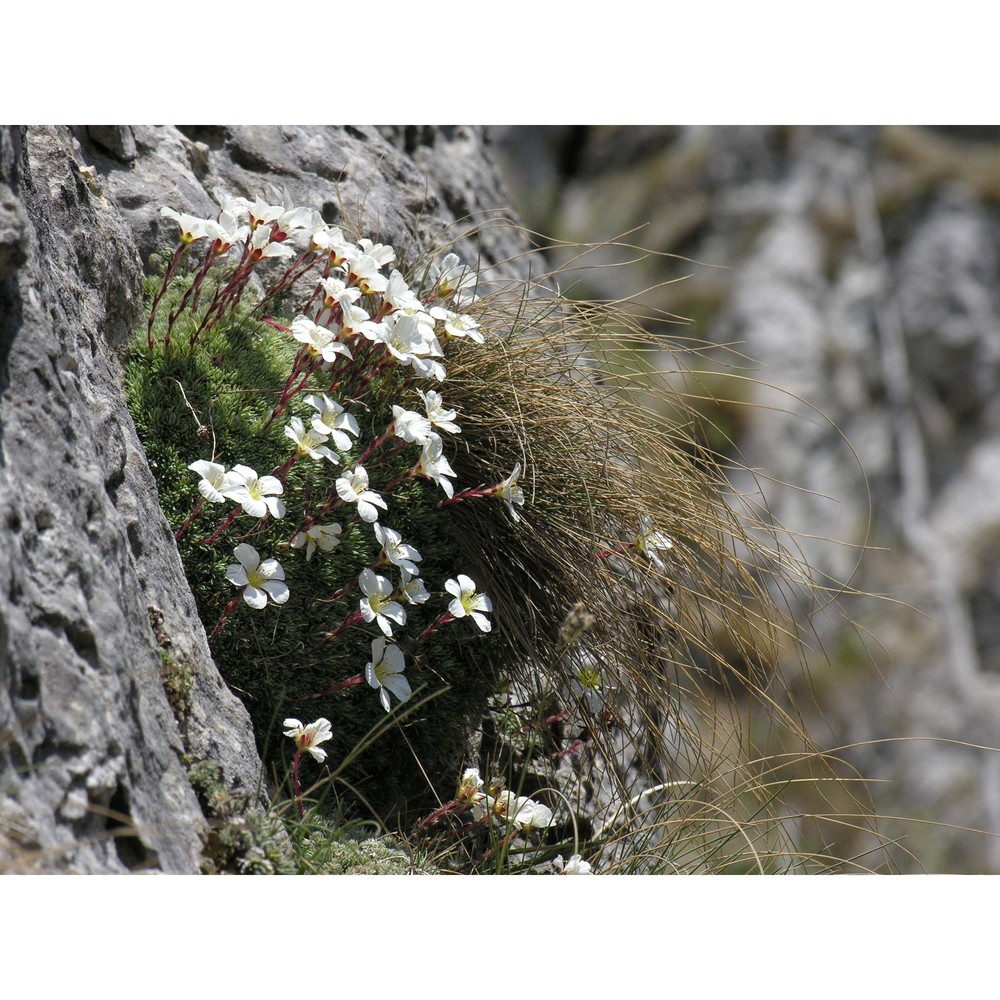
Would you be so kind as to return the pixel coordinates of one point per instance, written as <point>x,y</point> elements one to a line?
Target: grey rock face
<point>90,746</point>
<point>95,612</point>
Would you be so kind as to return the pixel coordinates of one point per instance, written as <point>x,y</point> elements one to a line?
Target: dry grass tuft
<point>661,765</point>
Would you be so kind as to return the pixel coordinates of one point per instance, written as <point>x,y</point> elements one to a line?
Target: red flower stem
<point>317,289</point>
<point>178,253</point>
<point>469,494</point>
<point>197,510</point>
<point>287,391</point>
<point>455,805</point>
<point>295,784</point>
<point>377,443</point>
<point>282,471</point>
<point>435,625</point>
<point>287,278</point>
<point>346,589</point>
<point>565,753</point>
<point>223,528</point>
<point>216,307</point>
<point>230,607</point>
<point>400,478</point>
<point>617,550</point>
<point>332,689</point>
<point>352,619</point>
<point>196,284</point>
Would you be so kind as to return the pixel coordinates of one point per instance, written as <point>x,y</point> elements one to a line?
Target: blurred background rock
<point>848,281</point>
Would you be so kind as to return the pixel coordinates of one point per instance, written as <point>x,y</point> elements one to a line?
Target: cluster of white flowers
<point>496,802</point>
<point>360,318</point>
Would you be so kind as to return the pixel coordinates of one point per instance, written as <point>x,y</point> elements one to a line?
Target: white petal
<point>247,555</point>
<point>209,492</point>
<point>279,591</point>
<point>271,569</point>
<point>269,484</point>
<point>399,686</point>
<point>255,598</point>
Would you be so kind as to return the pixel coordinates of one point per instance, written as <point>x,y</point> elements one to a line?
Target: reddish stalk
<point>223,528</point>
<point>333,689</point>
<point>197,510</point>
<point>178,253</point>
<point>295,784</point>
<point>230,607</point>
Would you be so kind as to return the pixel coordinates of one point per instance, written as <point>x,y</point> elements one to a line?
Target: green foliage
<point>243,840</point>
<point>214,401</point>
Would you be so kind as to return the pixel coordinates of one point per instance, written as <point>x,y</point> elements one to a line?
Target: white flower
<point>413,343</point>
<point>226,232</point>
<point>309,442</point>
<point>363,271</point>
<point>381,253</point>
<point>400,296</point>
<point>319,341</point>
<point>332,242</point>
<point>468,602</point>
<point>396,551</point>
<point>293,219</point>
<point>256,494</point>
<point>511,493</point>
<point>325,537</point>
<point>333,288</point>
<point>309,737</point>
<point>385,672</point>
<point>192,228</point>
<point>456,325</point>
<point>261,579</point>
<point>260,211</point>
<point>587,683</point>
<point>354,320</point>
<point>411,426</point>
<point>352,487</point>
<point>437,414</point>
<point>412,589</point>
<point>520,811</point>
<point>575,866</point>
<point>377,605</point>
<point>261,245</point>
<point>453,279</point>
<point>470,787</point>
<point>651,542</point>
<point>334,420</point>
<point>214,480</point>
<point>435,466</point>
<point>403,338</point>
<point>238,208</point>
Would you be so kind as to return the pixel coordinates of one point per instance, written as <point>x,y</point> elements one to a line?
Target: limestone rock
<point>107,685</point>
